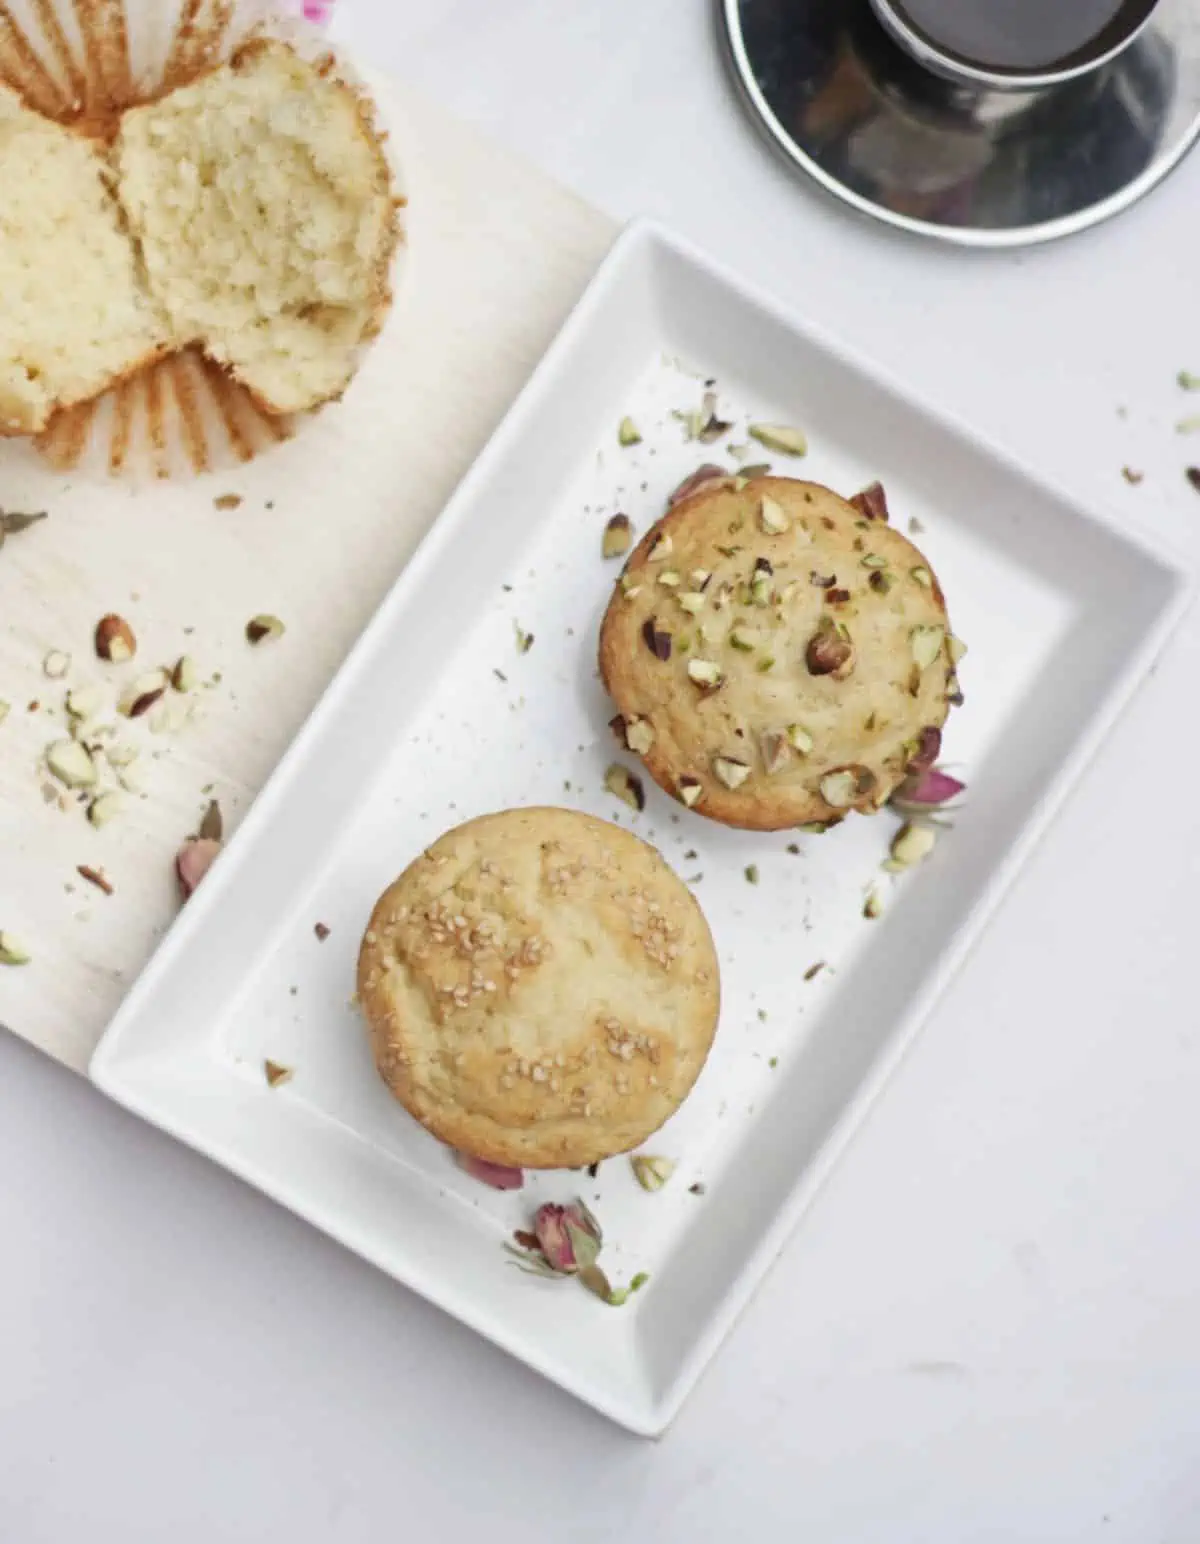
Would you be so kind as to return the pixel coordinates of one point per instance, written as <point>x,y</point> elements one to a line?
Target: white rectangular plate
<point>437,717</point>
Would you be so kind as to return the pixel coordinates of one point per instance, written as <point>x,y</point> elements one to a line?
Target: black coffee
<point>1022,35</point>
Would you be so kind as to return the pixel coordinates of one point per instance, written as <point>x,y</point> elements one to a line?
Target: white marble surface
<point>988,1327</point>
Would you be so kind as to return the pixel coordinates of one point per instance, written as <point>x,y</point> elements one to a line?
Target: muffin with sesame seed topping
<point>541,990</point>
<point>779,655</point>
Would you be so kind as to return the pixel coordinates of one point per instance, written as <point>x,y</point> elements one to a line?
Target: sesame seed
<point>539,1074</point>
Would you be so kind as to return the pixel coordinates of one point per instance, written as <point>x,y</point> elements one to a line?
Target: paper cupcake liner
<point>84,62</point>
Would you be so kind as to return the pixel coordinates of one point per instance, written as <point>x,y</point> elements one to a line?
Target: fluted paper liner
<point>82,62</point>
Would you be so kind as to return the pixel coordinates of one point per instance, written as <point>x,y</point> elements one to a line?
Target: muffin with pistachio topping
<point>779,655</point>
<point>541,990</point>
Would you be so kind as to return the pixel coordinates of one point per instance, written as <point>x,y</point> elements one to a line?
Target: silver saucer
<point>980,167</point>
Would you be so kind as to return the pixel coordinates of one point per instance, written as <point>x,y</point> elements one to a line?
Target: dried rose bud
<point>700,478</point>
<point>872,502</point>
<point>925,790</point>
<point>193,861</point>
<point>568,1236</point>
<point>498,1175</point>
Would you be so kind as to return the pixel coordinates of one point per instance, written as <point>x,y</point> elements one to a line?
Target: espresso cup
<point>1109,41</point>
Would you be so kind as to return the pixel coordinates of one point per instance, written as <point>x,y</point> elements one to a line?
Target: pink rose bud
<point>927,789</point>
<point>193,861</point>
<point>497,1175</point>
<point>568,1236</point>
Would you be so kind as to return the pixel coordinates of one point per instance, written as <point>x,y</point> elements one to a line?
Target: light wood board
<point>498,256</point>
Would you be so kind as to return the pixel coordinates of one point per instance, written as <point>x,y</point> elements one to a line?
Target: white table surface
<point>989,1326</point>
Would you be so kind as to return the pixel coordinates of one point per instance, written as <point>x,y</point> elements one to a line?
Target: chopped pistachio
<point>705,673</point>
<point>524,639</point>
<point>774,750</point>
<point>799,739</point>
<point>1188,425</point>
<point>103,809</point>
<point>657,639</point>
<point>874,560</point>
<point>627,433</point>
<point>1131,476</point>
<point>276,1073</point>
<point>840,788</point>
<point>759,469</point>
<point>872,502</point>
<point>660,548</point>
<point>639,735</point>
<point>765,664</point>
<point>829,652</point>
<point>912,844</point>
<point>669,579</point>
<point>132,776</point>
<point>618,537</point>
<point>12,951</point>
<point>84,702</point>
<point>262,627</point>
<point>692,421</point>
<point>772,517</point>
<point>880,581</point>
<point>922,576</point>
<point>692,602</point>
<point>751,873</point>
<point>712,427</point>
<point>956,648</point>
<point>71,764</point>
<point>142,694</point>
<point>56,664</point>
<point>122,754</point>
<point>212,823</point>
<point>184,675</point>
<point>690,789</point>
<point>1188,381</point>
<point>782,439</point>
<point>873,905</point>
<point>731,772</point>
<point>926,644</point>
<point>745,639</point>
<point>626,786</point>
<point>651,1173</point>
